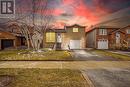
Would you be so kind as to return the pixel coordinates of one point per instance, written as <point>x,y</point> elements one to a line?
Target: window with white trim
<point>102,31</point>
<point>128,31</point>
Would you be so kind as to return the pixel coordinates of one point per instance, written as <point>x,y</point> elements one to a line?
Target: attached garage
<point>75,44</point>
<point>5,43</point>
<point>7,40</point>
<point>103,44</point>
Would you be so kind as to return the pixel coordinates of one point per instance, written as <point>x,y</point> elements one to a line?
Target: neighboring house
<point>10,37</point>
<point>111,34</point>
<point>108,37</point>
<point>99,37</point>
<point>71,37</point>
<point>127,30</point>
<point>121,38</point>
<point>7,40</point>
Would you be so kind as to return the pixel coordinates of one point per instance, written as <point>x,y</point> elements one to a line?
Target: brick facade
<point>111,36</point>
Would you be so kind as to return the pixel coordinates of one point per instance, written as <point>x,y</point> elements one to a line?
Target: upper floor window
<point>50,37</point>
<point>102,31</point>
<point>128,31</point>
<point>75,30</point>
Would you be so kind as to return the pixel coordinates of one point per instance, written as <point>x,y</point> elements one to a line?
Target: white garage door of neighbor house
<point>74,44</point>
<point>103,44</point>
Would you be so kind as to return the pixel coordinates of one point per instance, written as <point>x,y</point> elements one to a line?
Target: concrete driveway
<point>90,56</point>
<point>114,77</point>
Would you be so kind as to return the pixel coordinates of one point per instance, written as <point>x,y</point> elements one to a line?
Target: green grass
<point>47,55</point>
<point>44,78</point>
<point>114,55</point>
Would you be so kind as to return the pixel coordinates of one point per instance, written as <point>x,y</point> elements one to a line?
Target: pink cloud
<point>58,12</point>
<point>67,2</point>
<point>85,11</point>
<point>55,12</point>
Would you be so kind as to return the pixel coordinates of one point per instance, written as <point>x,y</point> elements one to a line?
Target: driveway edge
<point>87,79</point>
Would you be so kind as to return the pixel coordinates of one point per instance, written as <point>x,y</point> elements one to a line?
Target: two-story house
<point>71,37</point>
<point>99,37</point>
<point>110,34</point>
<point>104,37</point>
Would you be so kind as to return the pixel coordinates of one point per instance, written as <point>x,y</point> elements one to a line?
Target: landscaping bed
<point>30,55</point>
<point>114,55</point>
<point>43,78</point>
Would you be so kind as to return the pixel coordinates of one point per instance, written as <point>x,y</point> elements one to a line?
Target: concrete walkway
<point>65,65</point>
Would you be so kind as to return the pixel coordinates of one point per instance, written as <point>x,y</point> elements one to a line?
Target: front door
<point>117,38</point>
<point>59,38</point>
<point>59,41</point>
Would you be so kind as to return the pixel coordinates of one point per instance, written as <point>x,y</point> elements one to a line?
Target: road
<point>109,77</point>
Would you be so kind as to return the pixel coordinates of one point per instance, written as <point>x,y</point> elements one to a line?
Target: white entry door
<point>74,44</point>
<point>103,44</point>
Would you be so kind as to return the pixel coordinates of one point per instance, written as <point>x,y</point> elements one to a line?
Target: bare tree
<point>25,31</point>
<point>32,30</point>
<point>45,18</point>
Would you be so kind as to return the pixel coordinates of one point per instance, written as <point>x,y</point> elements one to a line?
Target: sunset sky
<point>83,12</point>
<point>86,11</point>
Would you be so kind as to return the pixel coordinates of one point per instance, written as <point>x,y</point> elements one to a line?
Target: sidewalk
<point>65,65</point>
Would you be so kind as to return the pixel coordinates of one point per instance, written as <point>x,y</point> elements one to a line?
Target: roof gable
<point>120,29</point>
<point>75,25</point>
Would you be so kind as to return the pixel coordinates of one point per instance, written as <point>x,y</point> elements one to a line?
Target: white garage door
<point>74,44</point>
<point>103,44</point>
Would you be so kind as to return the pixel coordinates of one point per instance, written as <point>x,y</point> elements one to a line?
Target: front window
<point>102,31</point>
<point>128,31</point>
<point>75,30</point>
<point>50,37</point>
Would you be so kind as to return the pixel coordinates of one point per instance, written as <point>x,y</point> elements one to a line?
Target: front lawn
<point>114,55</point>
<point>42,78</point>
<point>29,55</point>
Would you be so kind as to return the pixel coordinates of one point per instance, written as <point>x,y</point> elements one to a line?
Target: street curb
<point>87,79</point>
